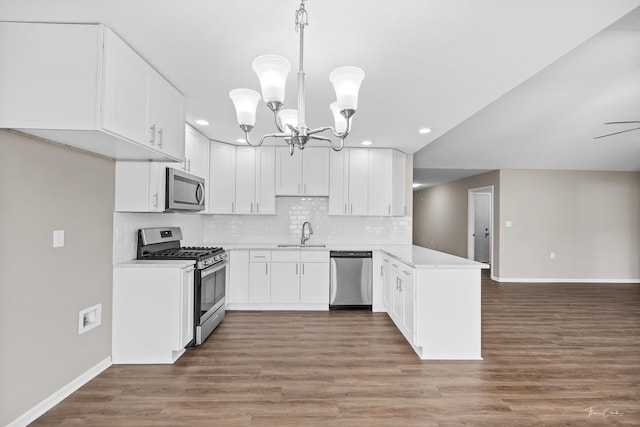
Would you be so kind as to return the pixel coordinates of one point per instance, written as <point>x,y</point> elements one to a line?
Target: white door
<point>285,282</point>
<point>482,226</point>
<point>314,282</point>
<point>245,180</point>
<point>265,180</point>
<point>222,179</point>
<point>358,181</point>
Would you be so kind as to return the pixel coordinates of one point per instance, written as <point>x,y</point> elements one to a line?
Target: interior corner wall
<point>46,187</point>
<point>590,220</point>
<point>440,215</point>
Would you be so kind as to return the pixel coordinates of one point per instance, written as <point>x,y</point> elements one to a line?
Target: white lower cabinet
<point>399,293</point>
<point>314,283</point>
<point>278,280</point>
<point>153,312</point>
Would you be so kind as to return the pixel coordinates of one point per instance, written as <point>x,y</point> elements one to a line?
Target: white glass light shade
<point>346,82</point>
<point>272,71</point>
<point>288,117</point>
<point>245,101</point>
<point>340,121</point>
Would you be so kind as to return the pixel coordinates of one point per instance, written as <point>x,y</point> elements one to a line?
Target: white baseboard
<point>58,396</point>
<point>556,280</point>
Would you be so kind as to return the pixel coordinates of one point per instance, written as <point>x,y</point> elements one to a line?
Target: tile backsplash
<point>284,227</point>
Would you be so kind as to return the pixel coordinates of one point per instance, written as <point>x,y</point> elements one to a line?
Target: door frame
<point>470,222</point>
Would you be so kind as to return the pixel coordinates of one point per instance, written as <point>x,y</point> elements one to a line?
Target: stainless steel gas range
<point>210,273</point>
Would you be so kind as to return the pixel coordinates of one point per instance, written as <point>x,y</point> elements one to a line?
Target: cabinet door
<point>265,181</point>
<point>288,172</point>
<point>222,178</point>
<point>259,282</point>
<point>358,181</point>
<point>187,307</point>
<point>158,185</point>
<point>245,180</point>
<point>380,182</point>
<point>315,171</point>
<point>166,115</point>
<point>126,91</point>
<point>338,182</point>
<point>285,282</point>
<point>238,283</point>
<point>314,283</point>
<point>399,186</point>
<point>387,289</point>
<point>408,303</point>
<point>140,186</point>
<point>196,153</point>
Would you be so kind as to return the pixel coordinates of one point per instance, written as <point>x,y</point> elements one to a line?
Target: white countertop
<point>145,263</point>
<point>415,256</point>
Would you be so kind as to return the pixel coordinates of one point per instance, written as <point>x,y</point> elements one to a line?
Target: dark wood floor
<point>551,352</point>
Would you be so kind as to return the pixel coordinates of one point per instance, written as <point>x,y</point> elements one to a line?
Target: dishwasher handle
<point>350,254</point>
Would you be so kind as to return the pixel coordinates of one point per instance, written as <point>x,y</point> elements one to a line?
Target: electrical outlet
<point>508,224</point>
<point>89,318</point>
<point>552,255</point>
<point>58,238</point>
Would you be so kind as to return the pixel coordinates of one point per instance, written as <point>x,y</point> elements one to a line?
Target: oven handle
<point>213,269</point>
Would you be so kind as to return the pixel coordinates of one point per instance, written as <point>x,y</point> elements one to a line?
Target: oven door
<point>210,290</point>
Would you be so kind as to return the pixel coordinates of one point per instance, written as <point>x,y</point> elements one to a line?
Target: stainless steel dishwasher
<point>351,279</point>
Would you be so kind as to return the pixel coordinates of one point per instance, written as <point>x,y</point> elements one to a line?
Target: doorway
<point>480,225</point>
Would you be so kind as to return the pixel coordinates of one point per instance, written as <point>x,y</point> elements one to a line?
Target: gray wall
<point>589,219</point>
<point>440,215</point>
<point>45,187</point>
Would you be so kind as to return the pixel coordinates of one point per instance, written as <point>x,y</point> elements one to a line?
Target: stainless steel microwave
<point>184,192</point>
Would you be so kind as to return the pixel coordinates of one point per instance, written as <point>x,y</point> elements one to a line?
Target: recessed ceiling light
<point>241,140</point>
<point>424,131</point>
<point>366,143</point>
<point>202,122</point>
<point>415,184</point>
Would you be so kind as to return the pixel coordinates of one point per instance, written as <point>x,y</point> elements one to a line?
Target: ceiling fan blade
<point>620,123</point>
<point>615,133</point>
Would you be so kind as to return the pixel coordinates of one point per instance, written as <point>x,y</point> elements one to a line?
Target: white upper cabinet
<point>140,186</point>
<point>386,182</point>
<point>196,154</point>
<point>242,180</point>
<point>222,178</point>
<point>95,93</point>
<point>265,196</point>
<point>306,173</point>
<point>245,180</point>
<point>348,186</point>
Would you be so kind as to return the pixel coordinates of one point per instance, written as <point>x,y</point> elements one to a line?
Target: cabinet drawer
<point>260,256</point>
<point>285,256</point>
<point>314,256</point>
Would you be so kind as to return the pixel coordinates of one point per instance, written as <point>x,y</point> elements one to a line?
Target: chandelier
<point>272,71</point>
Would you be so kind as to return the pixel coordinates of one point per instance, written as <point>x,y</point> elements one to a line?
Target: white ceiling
<point>500,82</point>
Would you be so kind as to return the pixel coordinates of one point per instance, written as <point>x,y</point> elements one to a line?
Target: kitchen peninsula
<point>432,297</point>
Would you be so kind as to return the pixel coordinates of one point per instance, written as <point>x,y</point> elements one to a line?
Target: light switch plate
<point>58,238</point>
<point>508,224</point>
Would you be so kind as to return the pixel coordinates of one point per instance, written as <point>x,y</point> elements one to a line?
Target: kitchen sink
<point>301,246</point>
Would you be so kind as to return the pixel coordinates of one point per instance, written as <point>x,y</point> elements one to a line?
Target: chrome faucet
<point>304,238</point>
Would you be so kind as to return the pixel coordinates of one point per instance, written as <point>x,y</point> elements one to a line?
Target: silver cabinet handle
<point>405,272</point>
<point>352,208</point>
<point>156,200</point>
<point>395,265</point>
<point>160,139</point>
<point>233,207</point>
<point>389,209</point>
<point>345,208</point>
<point>153,134</point>
<point>302,268</point>
<point>252,207</point>
<point>298,188</point>
<point>257,207</point>
<point>382,270</point>
<point>305,189</point>
<point>296,269</point>
<point>188,165</point>
<point>266,269</point>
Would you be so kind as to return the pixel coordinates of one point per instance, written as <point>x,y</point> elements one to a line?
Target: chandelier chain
<point>302,18</point>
